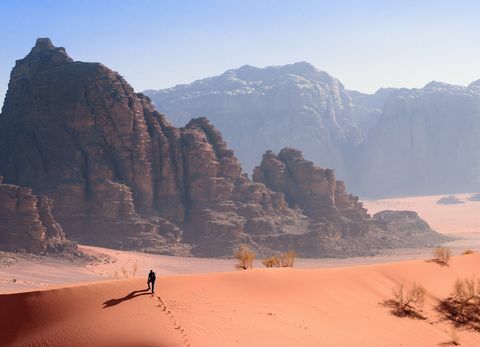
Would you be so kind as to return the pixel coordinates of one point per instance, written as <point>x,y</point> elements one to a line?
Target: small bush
<point>464,292</point>
<point>126,272</point>
<point>467,251</point>
<point>134,269</point>
<point>409,302</point>
<point>273,261</point>
<point>245,257</point>
<point>287,258</point>
<point>463,306</point>
<point>442,255</point>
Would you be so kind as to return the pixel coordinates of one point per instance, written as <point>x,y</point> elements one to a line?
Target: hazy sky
<point>158,44</point>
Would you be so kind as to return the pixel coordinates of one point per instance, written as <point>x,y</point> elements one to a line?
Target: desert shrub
<point>408,302</point>
<point>273,261</point>
<point>287,258</point>
<point>126,272</point>
<point>463,306</point>
<point>468,251</point>
<point>464,292</point>
<point>442,255</point>
<point>245,257</point>
<point>134,269</point>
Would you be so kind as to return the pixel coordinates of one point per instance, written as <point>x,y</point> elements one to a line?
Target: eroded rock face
<point>339,225</point>
<point>121,176</point>
<point>27,224</point>
<point>257,109</point>
<point>313,189</point>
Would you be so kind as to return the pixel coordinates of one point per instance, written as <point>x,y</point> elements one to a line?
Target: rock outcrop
<point>27,224</point>
<point>391,143</point>
<point>257,109</point>
<point>340,225</point>
<point>122,176</point>
<point>426,142</point>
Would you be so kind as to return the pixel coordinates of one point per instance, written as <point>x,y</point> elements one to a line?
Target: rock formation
<point>390,143</point>
<point>121,176</point>
<point>27,224</point>
<point>426,142</point>
<point>257,109</point>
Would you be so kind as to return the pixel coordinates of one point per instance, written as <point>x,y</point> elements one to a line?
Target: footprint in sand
<point>163,307</point>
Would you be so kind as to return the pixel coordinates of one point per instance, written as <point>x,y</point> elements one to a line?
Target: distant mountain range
<point>393,142</point>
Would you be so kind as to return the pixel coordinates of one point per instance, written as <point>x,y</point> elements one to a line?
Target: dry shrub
<point>127,273</point>
<point>442,255</point>
<point>464,292</point>
<point>287,258</point>
<point>273,261</point>
<point>134,269</point>
<point>409,302</point>
<point>467,251</point>
<point>245,257</point>
<point>463,306</point>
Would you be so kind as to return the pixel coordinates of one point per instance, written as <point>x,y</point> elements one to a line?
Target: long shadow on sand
<point>134,294</point>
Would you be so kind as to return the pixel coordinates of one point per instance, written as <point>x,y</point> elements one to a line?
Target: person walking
<point>151,280</point>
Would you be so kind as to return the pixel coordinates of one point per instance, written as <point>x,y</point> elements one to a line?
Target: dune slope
<point>264,307</point>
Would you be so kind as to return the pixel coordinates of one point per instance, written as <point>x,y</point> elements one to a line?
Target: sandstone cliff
<point>257,109</point>
<point>27,224</point>
<point>122,176</point>
<point>390,143</point>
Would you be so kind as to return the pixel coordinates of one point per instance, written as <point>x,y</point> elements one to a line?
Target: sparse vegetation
<point>245,257</point>
<point>463,307</point>
<point>408,302</point>
<point>285,259</point>
<point>442,255</point>
<point>272,261</point>
<point>468,251</point>
<point>465,293</point>
<point>126,272</point>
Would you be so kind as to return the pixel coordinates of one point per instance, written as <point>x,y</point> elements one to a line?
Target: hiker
<point>151,279</point>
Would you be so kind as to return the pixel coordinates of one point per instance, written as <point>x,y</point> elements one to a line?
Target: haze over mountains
<point>393,142</point>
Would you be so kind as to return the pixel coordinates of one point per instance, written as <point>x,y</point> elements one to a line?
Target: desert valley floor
<point>205,302</point>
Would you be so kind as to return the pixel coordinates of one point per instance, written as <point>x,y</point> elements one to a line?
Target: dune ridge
<point>261,307</point>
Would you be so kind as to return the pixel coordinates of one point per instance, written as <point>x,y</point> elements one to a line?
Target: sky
<point>158,44</point>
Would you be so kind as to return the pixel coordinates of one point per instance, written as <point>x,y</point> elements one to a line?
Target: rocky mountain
<point>427,141</point>
<point>122,176</point>
<point>393,142</point>
<point>27,223</point>
<point>260,109</point>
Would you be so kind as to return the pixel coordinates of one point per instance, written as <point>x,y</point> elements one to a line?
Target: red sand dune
<point>262,307</point>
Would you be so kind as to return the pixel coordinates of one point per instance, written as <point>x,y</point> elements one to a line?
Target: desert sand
<point>204,302</point>
<point>260,307</point>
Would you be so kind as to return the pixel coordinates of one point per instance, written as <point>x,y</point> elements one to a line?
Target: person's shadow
<point>134,294</point>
